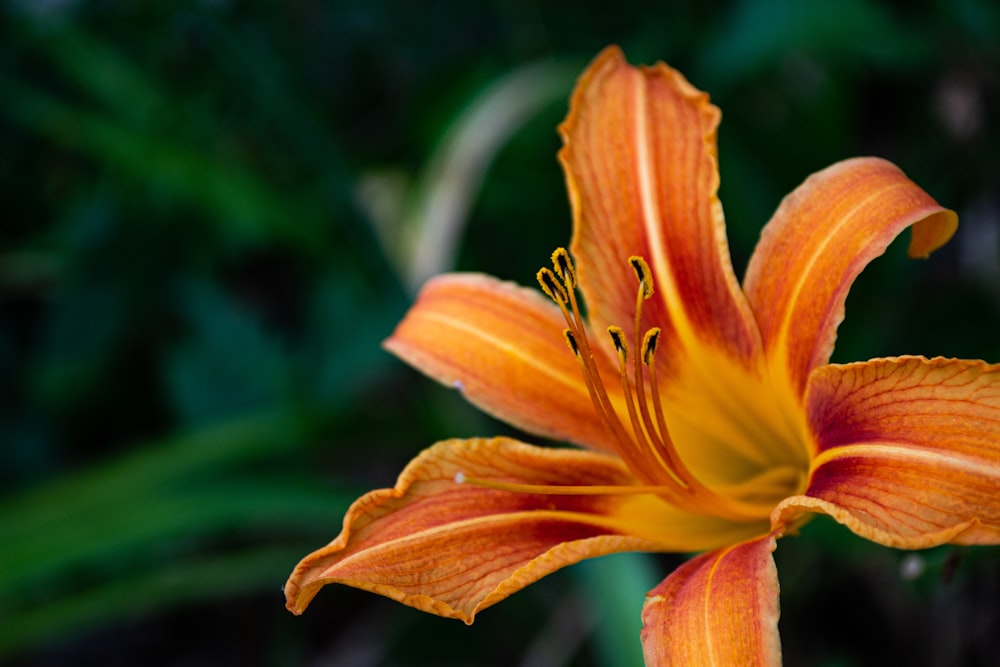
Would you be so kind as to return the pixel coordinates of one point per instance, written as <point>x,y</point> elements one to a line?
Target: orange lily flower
<point>709,417</point>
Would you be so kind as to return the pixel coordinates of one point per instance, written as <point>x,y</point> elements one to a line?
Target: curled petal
<point>909,450</point>
<point>820,238</point>
<point>640,161</point>
<point>718,609</point>
<point>502,346</point>
<point>453,548</point>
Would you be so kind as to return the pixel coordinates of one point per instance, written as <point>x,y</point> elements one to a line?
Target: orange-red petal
<point>820,238</point>
<point>909,450</point>
<point>454,549</point>
<point>640,161</point>
<point>502,346</point>
<point>718,609</point>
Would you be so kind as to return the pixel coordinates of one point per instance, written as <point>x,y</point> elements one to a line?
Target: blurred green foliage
<point>214,211</point>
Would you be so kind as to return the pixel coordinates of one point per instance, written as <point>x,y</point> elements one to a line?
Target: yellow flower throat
<point>643,442</point>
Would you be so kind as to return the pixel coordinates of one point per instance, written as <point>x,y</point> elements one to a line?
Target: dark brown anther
<point>571,341</point>
<point>649,342</point>
<point>551,286</point>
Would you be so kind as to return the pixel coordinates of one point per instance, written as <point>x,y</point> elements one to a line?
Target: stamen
<point>643,274</point>
<point>665,444</point>
<point>649,342</point>
<point>571,341</point>
<point>618,339</point>
<point>641,459</point>
<point>642,429</point>
<point>658,442</point>
<point>647,449</point>
<point>563,264</point>
<point>551,286</point>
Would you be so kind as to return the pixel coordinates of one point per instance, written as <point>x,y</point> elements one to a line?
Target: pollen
<point>618,340</point>
<point>571,341</point>
<point>643,275</point>
<point>551,285</point>
<point>649,342</point>
<point>563,264</point>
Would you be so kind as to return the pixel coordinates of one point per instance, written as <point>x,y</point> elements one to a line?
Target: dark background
<point>214,211</point>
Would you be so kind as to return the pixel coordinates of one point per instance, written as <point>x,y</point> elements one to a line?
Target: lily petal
<point>640,161</point>
<point>453,549</point>
<point>719,609</point>
<point>908,451</point>
<point>820,238</point>
<point>502,346</point>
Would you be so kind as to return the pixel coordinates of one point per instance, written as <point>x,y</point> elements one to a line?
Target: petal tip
<point>931,233</point>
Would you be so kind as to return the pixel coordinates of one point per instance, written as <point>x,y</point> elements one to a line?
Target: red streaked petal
<point>947,405</point>
<point>503,347</point>
<point>820,238</point>
<point>640,161</point>
<point>454,549</point>
<point>909,450</point>
<point>718,609</point>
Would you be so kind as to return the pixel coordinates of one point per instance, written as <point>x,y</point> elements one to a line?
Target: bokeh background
<point>215,210</point>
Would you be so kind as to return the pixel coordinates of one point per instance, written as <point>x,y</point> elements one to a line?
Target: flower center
<point>643,441</point>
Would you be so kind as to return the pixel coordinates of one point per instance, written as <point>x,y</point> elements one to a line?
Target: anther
<point>642,274</point>
<point>564,267</point>
<point>618,339</point>
<point>551,286</point>
<point>571,341</point>
<point>646,447</point>
<point>649,342</point>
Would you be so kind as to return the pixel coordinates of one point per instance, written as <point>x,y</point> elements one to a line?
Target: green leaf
<point>245,208</point>
<point>142,532</point>
<point>229,364</point>
<point>184,458</point>
<point>47,552</point>
<point>149,592</point>
<point>762,34</point>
